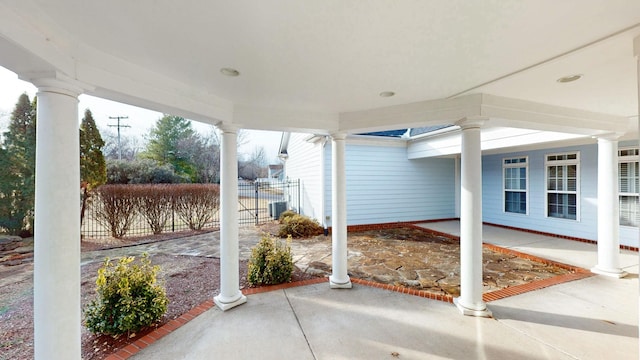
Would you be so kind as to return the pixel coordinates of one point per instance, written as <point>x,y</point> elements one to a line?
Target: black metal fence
<point>258,202</point>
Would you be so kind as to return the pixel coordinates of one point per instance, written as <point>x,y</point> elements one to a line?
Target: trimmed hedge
<point>118,205</point>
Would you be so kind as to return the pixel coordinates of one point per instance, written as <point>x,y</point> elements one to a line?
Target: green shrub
<point>299,226</point>
<point>287,214</point>
<point>270,263</point>
<point>129,298</point>
<point>142,171</point>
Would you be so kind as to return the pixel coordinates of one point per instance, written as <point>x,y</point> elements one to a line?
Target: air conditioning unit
<point>276,208</point>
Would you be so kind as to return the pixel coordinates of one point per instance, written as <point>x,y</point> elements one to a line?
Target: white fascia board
<point>260,118</point>
<point>417,114</point>
<point>518,113</point>
<point>584,140</point>
<point>373,140</point>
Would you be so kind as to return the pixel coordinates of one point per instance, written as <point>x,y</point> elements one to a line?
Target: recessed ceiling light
<point>229,72</point>
<point>387,94</point>
<point>569,78</point>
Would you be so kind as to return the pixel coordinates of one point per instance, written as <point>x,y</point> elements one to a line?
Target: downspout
<point>322,186</point>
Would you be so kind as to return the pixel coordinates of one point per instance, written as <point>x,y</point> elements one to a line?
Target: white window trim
<point>548,163</point>
<point>504,188</point>
<point>626,159</point>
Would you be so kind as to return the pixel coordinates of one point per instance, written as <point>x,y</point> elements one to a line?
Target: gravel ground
<point>402,256</point>
<point>189,281</point>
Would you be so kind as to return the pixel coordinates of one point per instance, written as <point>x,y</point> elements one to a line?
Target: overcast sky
<point>140,120</point>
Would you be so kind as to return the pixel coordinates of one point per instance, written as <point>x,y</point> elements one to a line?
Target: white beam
<point>519,113</point>
<point>422,113</point>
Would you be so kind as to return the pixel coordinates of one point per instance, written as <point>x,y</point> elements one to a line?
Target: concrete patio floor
<point>593,318</point>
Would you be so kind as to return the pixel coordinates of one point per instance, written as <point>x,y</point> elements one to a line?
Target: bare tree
<point>131,145</point>
<point>253,166</point>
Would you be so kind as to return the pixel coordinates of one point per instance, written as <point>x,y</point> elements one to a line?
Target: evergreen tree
<point>164,146</point>
<point>93,169</point>
<point>18,161</point>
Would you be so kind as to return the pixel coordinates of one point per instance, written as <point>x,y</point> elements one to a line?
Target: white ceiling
<point>314,60</point>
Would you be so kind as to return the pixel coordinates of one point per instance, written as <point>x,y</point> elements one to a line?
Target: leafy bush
<point>116,208</point>
<point>286,214</point>
<point>143,171</point>
<point>129,298</point>
<point>298,226</point>
<point>196,203</point>
<point>270,263</point>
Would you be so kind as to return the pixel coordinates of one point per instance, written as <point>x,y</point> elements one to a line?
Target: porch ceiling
<point>319,66</point>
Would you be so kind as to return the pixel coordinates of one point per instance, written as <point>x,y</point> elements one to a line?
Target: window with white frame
<point>563,185</point>
<point>628,182</point>
<point>515,175</point>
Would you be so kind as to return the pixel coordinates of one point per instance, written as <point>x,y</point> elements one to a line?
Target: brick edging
<point>404,290</point>
<point>413,224</point>
<point>268,288</point>
<point>159,332</point>
<point>572,238</point>
<point>535,285</point>
<point>156,334</point>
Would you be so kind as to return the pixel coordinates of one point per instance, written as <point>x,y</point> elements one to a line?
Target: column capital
<point>612,136</point>
<point>56,82</point>
<point>338,135</point>
<point>226,127</point>
<point>471,122</point>
<point>636,46</point>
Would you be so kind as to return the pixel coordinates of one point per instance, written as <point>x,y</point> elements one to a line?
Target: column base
<point>226,305</point>
<point>481,312</point>
<point>339,284</point>
<point>616,273</point>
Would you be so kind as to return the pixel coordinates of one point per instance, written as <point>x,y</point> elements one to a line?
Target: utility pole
<point>119,126</point>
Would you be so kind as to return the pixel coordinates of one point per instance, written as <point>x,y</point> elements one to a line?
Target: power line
<point>119,126</point>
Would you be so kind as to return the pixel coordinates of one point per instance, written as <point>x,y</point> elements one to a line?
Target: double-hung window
<point>628,186</point>
<point>563,185</point>
<point>515,177</point>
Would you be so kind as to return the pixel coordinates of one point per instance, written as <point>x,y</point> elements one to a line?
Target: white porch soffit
<point>320,66</point>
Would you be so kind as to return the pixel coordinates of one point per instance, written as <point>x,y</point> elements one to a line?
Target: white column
<point>636,52</point>
<point>56,275</point>
<point>230,295</point>
<point>339,278</point>
<point>470,300</point>
<point>608,208</point>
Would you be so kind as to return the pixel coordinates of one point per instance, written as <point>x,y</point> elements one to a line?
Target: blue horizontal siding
<point>492,207</point>
<point>384,186</point>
